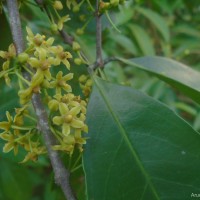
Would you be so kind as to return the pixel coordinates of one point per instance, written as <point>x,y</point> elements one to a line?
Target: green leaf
<point>144,41</point>
<point>125,42</point>
<point>186,29</point>
<point>157,21</point>
<point>15,181</point>
<point>9,99</point>
<point>138,148</point>
<point>176,74</point>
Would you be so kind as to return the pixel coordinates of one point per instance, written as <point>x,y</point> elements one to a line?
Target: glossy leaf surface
<point>184,78</point>
<point>138,148</point>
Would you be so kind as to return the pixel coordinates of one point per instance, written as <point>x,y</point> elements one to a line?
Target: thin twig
<point>99,58</point>
<point>66,37</point>
<point>105,61</point>
<point>61,173</point>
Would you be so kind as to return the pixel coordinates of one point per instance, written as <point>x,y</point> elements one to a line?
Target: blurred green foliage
<point>147,27</point>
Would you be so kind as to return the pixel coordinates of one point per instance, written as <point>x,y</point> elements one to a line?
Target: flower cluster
<point>8,56</point>
<point>69,116</point>
<point>86,85</point>
<point>16,134</point>
<point>41,60</point>
<point>104,6</point>
<point>41,56</point>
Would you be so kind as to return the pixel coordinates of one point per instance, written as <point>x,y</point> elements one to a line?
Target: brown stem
<point>61,173</point>
<point>99,58</point>
<point>95,65</point>
<point>66,37</point>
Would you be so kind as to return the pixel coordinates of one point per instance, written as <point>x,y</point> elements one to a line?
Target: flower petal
<point>59,75</point>
<point>34,62</point>
<point>12,50</point>
<point>75,111</point>
<point>66,63</point>
<point>37,78</point>
<point>6,136</point>
<point>50,41</point>
<point>63,108</point>
<point>29,32</point>
<point>77,123</point>
<point>42,54</point>
<point>6,65</point>
<point>68,77</point>
<point>8,147</point>
<point>47,74</point>
<point>58,120</point>
<point>3,54</point>
<point>65,129</point>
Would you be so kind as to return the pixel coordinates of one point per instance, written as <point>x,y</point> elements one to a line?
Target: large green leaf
<point>179,75</point>
<point>138,148</point>
<point>143,39</point>
<point>157,20</point>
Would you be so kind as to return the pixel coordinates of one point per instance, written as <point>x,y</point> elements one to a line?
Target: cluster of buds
<point>8,56</point>
<point>85,83</point>
<point>41,56</point>
<point>66,111</point>
<point>104,6</point>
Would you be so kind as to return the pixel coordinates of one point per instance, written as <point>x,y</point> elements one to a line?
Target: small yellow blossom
<point>33,155</point>
<point>60,82</point>
<point>38,40</point>
<point>61,56</point>
<point>68,118</point>
<point>11,144</point>
<point>6,125</point>
<point>61,21</point>
<point>42,64</point>
<point>8,55</point>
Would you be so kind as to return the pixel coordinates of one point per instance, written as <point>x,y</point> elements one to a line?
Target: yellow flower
<point>38,40</point>
<point>8,56</point>
<point>26,94</point>
<point>68,118</point>
<point>33,155</point>
<point>64,147</point>
<point>42,64</point>
<point>11,53</point>
<point>60,82</point>
<point>61,22</point>
<point>11,144</point>
<point>6,125</point>
<point>61,56</point>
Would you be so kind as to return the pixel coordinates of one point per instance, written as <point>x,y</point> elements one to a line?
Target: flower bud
<point>82,78</point>
<point>23,57</point>
<point>76,46</point>
<point>77,61</point>
<point>54,28</point>
<point>80,31</point>
<point>114,2</point>
<point>58,5</point>
<point>103,6</point>
<point>53,105</point>
<point>89,83</point>
<point>76,8</point>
